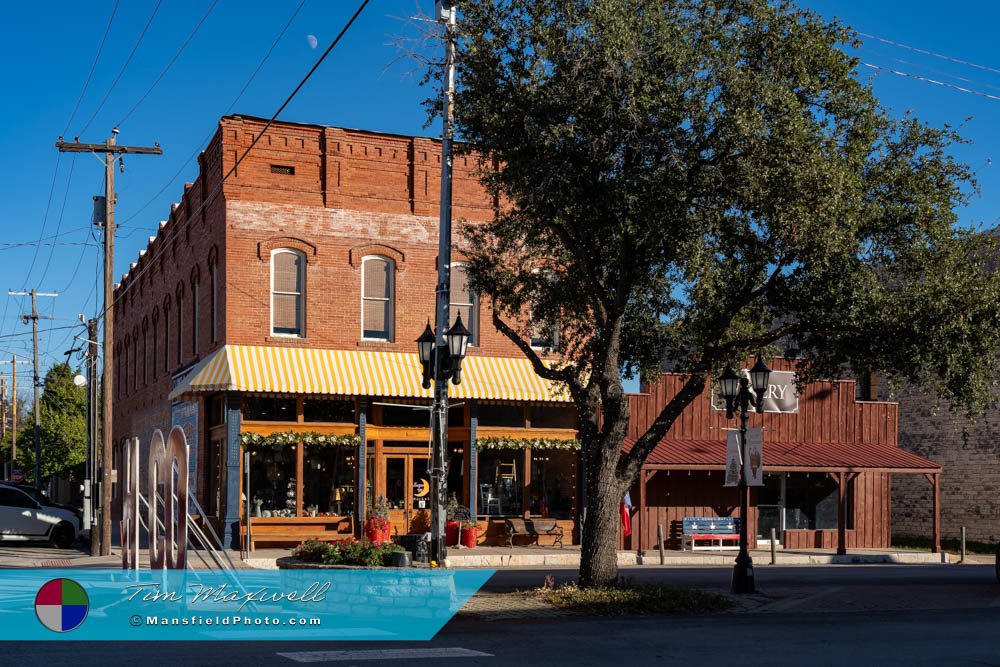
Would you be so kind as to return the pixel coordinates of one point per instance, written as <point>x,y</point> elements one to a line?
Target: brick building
<point>970,451</point>
<point>279,318</point>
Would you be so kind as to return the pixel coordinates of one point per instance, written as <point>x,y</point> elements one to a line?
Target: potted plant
<point>470,534</point>
<point>452,525</point>
<point>377,525</point>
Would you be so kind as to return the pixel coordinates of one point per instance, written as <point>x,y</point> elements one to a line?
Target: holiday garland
<point>523,443</point>
<point>310,438</point>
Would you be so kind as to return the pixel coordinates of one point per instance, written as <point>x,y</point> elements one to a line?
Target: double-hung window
<point>377,292</point>
<point>288,292</point>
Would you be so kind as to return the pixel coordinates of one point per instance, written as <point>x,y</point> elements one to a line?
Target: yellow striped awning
<point>296,370</point>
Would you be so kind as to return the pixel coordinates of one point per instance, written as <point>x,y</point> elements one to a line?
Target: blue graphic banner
<point>356,604</point>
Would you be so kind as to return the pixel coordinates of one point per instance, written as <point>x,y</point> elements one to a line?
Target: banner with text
<point>780,396</point>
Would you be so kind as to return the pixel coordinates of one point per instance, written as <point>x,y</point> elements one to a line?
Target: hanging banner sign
<point>780,396</point>
<point>732,459</point>
<point>755,457</point>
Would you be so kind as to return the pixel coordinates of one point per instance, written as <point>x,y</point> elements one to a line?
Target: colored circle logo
<point>61,605</point>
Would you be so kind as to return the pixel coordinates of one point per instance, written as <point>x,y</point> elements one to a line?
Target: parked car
<point>29,515</point>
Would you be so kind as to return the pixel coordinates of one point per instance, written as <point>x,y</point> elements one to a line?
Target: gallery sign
<point>781,395</point>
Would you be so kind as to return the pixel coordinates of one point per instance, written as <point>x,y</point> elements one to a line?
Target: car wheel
<point>62,536</point>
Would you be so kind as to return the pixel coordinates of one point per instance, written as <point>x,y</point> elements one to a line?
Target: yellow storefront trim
<point>293,370</point>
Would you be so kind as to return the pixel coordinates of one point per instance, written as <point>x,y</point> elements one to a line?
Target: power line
<point>93,67</point>
<point>62,212</point>
<point>169,64</point>
<point>930,53</point>
<point>232,104</point>
<point>932,69</point>
<point>122,70</point>
<point>218,188</point>
<point>929,80</point>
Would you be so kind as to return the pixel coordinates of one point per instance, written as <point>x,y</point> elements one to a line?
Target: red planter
<point>375,534</point>
<point>469,537</point>
<point>451,531</point>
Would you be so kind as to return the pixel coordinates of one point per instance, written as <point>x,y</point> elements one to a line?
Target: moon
<point>425,488</point>
<point>312,41</point>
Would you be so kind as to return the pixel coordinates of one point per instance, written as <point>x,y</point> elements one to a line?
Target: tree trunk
<point>599,548</point>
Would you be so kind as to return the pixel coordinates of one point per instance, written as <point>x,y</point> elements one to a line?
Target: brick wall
<point>334,194</point>
<point>970,485</point>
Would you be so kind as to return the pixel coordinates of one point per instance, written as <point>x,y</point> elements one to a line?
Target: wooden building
<point>829,461</point>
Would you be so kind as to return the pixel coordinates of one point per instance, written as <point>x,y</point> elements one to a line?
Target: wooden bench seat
<point>295,530</point>
<point>721,532</point>
<point>533,528</point>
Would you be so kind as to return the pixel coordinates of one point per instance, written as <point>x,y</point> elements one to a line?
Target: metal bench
<point>533,528</point>
<point>721,532</point>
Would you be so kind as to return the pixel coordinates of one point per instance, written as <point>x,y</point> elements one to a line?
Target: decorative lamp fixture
<point>760,376</point>
<point>458,344</point>
<point>729,382</point>
<point>425,346</point>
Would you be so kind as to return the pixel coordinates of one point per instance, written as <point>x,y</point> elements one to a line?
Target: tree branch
<point>543,371</point>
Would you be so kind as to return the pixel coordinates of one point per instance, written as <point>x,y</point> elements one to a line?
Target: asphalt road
<point>838,615</point>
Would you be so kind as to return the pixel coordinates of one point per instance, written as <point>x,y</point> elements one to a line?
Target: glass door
<point>771,509</point>
<point>420,498</point>
<point>395,470</point>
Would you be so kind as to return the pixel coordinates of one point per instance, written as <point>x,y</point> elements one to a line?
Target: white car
<point>22,518</point>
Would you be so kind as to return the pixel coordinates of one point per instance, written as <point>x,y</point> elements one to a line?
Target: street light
<point>736,391</point>
<point>441,363</point>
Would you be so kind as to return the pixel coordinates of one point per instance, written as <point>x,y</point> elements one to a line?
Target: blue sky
<point>49,48</point>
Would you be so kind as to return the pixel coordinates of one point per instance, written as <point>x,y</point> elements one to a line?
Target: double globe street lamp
<point>441,363</point>
<point>736,391</point>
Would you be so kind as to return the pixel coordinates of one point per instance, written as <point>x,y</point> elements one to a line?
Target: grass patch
<point>629,599</point>
<point>949,545</point>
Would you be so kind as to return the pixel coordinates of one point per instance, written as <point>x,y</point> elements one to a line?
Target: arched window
<point>145,351</point>
<point>180,323</point>
<point>195,280</point>
<point>166,334</point>
<point>213,277</point>
<point>135,359</point>
<point>377,295</point>
<point>155,357</point>
<point>464,302</point>
<point>288,292</point>
<point>123,376</point>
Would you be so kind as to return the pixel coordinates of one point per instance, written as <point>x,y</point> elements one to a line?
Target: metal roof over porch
<point>790,457</point>
<point>297,370</point>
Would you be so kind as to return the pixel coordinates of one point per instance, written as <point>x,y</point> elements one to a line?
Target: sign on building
<point>780,396</point>
<point>185,415</point>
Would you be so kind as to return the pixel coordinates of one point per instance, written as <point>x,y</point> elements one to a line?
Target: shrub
<point>346,552</point>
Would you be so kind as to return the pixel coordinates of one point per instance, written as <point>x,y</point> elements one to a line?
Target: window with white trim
<point>288,292</point>
<point>377,292</point>
<point>464,302</point>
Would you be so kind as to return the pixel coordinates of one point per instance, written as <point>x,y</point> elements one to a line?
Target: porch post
<point>935,480</point>
<point>233,419</point>
<point>643,476</point>
<point>473,478</point>
<point>361,485</point>
<point>841,514</point>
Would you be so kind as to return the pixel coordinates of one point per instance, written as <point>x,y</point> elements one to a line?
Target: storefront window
<point>501,479</point>
<point>456,469</point>
<point>272,479</point>
<point>501,415</point>
<point>328,410</point>
<point>553,480</point>
<point>811,502</point>
<point>267,408</point>
<point>552,416</point>
<point>329,479</point>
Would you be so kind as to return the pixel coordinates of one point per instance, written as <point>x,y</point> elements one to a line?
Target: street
<point>913,615</point>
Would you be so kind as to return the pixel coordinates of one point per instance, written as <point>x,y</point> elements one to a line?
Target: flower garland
<point>523,443</point>
<point>295,437</point>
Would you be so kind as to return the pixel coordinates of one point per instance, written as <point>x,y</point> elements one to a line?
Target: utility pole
<point>91,471</point>
<point>445,14</point>
<point>109,149</point>
<point>34,317</point>
<point>13,416</point>
<point>3,421</point>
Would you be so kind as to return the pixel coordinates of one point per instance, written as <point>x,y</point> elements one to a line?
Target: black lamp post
<point>736,391</point>
<point>445,365</point>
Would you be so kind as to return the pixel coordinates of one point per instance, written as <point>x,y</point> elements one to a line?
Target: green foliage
<point>63,432</point>
<point>378,508</point>
<point>625,599</point>
<point>346,552</point>
<point>696,180</point>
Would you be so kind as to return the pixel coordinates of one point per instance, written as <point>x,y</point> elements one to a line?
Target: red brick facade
<point>334,194</point>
